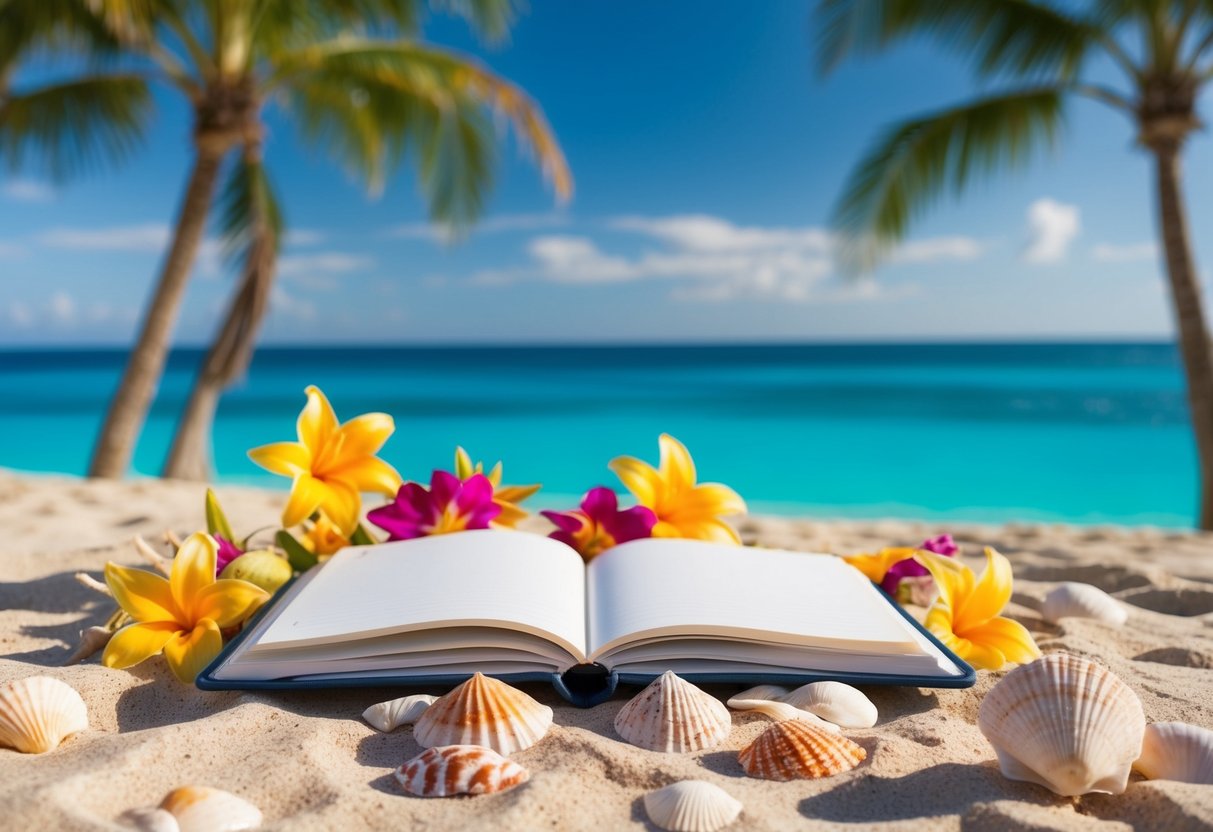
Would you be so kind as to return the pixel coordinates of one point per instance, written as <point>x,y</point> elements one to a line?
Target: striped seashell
<point>1065,723</point>
<point>780,711</point>
<point>447,770</point>
<point>487,712</point>
<point>1177,751</point>
<point>1075,600</point>
<point>835,702</point>
<point>673,716</point>
<point>692,806</point>
<point>203,809</point>
<point>796,750</point>
<point>388,716</point>
<point>38,713</point>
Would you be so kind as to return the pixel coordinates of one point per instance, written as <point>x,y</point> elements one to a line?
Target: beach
<point>310,762</point>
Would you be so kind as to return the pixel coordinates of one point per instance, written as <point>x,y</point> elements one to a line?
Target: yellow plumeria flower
<point>331,464</point>
<point>875,567</point>
<point>181,616</point>
<point>965,615</point>
<point>683,508</point>
<point>323,539</point>
<point>507,497</point>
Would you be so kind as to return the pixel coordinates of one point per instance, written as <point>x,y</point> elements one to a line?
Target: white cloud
<point>936,249</point>
<point>441,233</point>
<point>1128,253</point>
<point>10,249</point>
<point>1052,226</point>
<point>322,263</point>
<point>304,237</point>
<point>147,237</point>
<point>287,305</point>
<point>62,308</point>
<point>27,190</point>
<point>20,314</point>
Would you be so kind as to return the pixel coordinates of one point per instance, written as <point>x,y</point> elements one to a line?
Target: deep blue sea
<point>1080,433</point>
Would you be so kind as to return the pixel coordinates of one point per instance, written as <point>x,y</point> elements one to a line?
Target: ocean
<point>1075,433</point>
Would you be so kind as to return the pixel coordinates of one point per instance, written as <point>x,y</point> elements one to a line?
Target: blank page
<point>478,578</point>
<point>687,588</point>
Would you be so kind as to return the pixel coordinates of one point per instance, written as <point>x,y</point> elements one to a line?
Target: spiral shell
<point>487,712</point>
<point>1177,751</point>
<point>795,750</point>
<point>38,713</point>
<point>388,716</point>
<point>446,770</point>
<point>834,702</point>
<point>692,806</point>
<point>203,809</point>
<point>1065,723</point>
<point>672,715</point>
<point>1075,600</point>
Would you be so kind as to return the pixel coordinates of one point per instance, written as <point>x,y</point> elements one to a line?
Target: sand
<point>310,763</point>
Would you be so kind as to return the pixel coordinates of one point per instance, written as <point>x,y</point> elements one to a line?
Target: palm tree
<point>1042,51</point>
<point>359,86</point>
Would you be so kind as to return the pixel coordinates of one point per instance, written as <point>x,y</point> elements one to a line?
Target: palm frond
<point>1021,37</point>
<point>66,127</point>
<point>491,18</point>
<point>913,162</point>
<point>27,26</point>
<point>249,211</point>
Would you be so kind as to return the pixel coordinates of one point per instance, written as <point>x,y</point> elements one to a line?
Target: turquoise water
<point>1081,433</point>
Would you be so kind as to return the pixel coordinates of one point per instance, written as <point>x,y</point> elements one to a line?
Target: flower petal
<point>228,601</point>
<point>367,473</point>
<point>136,642</point>
<point>677,468</point>
<point>721,498</point>
<point>343,505</point>
<point>875,566</point>
<point>989,596</point>
<point>364,435</point>
<point>307,493</point>
<point>953,579</point>
<point>1008,637</point>
<point>513,493</point>
<point>290,459</point>
<point>638,477</point>
<point>188,654</point>
<point>144,595</point>
<point>463,464</point>
<point>317,423</point>
<point>193,569</point>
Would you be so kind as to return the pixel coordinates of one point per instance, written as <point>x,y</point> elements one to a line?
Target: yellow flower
<point>506,497</point>
<point>683,508</point>
<point>181,616</point>
<point>323,538</point>
<point>331,464</point>
<point>874,567</point>
<point>965,615</point>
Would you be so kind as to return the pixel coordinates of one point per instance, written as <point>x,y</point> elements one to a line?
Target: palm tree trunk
<point>226,360</point>
<point>1194,341</point>
<point>129,407</point>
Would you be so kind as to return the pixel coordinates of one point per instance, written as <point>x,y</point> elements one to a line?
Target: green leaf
<point>216,520</point>
<point>361,537</point>
<point>300,558</point>
<point>247,203</point>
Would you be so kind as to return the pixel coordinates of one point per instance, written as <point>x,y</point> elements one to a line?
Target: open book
<point>518,605</point>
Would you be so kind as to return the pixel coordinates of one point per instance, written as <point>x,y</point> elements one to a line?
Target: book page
<point>488,578</point>
<point>684,588</point>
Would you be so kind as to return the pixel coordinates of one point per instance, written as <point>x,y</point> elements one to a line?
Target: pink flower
<point>895,579</point>
<point>227,552</point>
<point>448,505</point>
<point>599,524</point>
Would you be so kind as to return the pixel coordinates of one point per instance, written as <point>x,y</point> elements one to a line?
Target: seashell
<point>38,713</point>
<point>203,809</point>
<point>796,750</point>
<point>780,711</point>
<point>1065,723</point>
<point>769,693</point>
<point>260,567</point>
<point>150,820</point>
<point>1075,600</point>
<point>1177,751</point>
<point>388,716</point>
<point>835,702</point>
<point>487,712</point>
<point>692,806</point>
<point>446,770</point>
<point>672,715</point>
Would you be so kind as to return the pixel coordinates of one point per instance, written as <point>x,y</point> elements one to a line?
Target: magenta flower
<point>910,568</point>
<point>599,524</point>
<point>228,552</point>
<point>448,505</point>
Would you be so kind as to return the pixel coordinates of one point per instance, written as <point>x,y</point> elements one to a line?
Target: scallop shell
<point>796,750</point>
<point>1075,600</point>
<point>38,713</point>
<point>446,770</point>
<point>692,806</point>
<point>672,715</point>
<point>778,711</point>
<point>487,712</point>
<point>1177,751</point>
<point>835,702</point>
<point>1065,723</point>
<point>203,809</point>
<point>388,716</point>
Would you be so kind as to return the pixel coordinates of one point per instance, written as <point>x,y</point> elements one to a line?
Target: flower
<point>506,496</point>
<point>683,508</point>
<point>181,616</point>
<point>892,567</point>
<point>323,538</point>
<point>875,566</point>
<point>331,464</point>
<point>941,545</point>
<point>227,551</point>
<point>599,524</point>
<point>965,615</point>
<point>449,505</point>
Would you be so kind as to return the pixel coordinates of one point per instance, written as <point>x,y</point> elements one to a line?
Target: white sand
<point>310,762</point>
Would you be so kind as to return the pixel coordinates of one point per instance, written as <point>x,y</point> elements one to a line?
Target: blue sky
<point>707,155</point>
